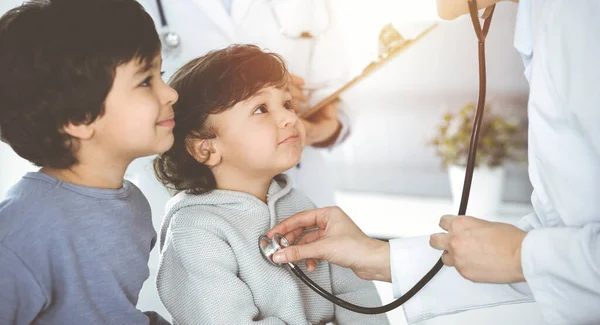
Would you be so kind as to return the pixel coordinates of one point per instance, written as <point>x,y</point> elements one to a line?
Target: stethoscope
<point>268,246</point>
<point>310,36</point>
<point>171,41</point>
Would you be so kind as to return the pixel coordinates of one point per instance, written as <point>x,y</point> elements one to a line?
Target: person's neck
<point>452,9</point>
<point>98,171</point>
<point>236,180</point>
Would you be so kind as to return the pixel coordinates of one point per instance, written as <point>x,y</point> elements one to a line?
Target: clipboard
<point>370,68</point>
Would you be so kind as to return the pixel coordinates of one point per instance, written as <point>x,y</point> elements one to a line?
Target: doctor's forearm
<point>375,265</point>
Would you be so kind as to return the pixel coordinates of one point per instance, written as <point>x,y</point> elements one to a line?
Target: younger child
<point>236,133</point>
<point>81,96</point>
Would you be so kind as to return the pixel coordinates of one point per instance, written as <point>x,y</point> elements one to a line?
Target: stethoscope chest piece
<point>268,247</point>
<point>171,43</point>
<point>170,40</point>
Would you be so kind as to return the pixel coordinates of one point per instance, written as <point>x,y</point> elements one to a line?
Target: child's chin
<point>289,165</point>
<point>165,145</point>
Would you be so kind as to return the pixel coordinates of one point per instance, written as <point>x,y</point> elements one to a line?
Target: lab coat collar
<point>523,41</point>
<point>215,10</point>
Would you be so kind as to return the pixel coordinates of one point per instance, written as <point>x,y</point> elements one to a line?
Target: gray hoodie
<point>212,272</point>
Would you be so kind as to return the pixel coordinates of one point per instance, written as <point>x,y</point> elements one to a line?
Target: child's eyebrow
<point>145,68</point>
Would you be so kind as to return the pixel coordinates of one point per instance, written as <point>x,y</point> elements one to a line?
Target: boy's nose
<point>287,117</point>
<point>169,95</point>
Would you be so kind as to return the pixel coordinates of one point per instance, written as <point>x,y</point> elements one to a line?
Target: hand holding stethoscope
<point>270,245</point>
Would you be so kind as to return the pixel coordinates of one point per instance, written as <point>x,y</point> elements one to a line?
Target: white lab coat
<point>560,44</point>
<point>205,25</point>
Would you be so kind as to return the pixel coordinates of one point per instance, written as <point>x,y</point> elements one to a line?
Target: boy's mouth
<point>291,139</point>
<point>169,122</point>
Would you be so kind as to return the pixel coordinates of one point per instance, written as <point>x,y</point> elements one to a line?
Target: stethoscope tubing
<point>481,34</point>
<point>161,13</point>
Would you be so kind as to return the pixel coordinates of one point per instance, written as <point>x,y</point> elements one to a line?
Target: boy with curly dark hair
<point>237,132</point>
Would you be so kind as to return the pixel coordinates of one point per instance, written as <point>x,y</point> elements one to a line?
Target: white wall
<point>12,167</point>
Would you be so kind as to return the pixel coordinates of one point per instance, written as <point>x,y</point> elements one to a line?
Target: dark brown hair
<point>58,61</point>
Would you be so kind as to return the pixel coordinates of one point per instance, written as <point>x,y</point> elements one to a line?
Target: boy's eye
<point>146,82</point>
<point>261,109</point>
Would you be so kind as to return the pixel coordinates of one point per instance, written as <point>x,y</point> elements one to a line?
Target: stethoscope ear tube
<point>161,13</point>
<point>481,34</point>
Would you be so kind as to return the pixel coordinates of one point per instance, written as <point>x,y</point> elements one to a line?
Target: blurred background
<point>398,170</point>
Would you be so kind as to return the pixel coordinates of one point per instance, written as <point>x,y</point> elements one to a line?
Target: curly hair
<point>209,85</point>
<point>58,61</point>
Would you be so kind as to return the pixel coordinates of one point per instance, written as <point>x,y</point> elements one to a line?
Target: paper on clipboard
<point>370,68</point>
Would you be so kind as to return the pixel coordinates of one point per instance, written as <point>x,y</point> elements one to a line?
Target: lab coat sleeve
<point>347,286</point>
<point>529,222</point>
<point>21,297</point>
<point>448,292</point>
<point>562,268</point>
<point>562,265</point>
<point>345,124</point>
<point>204,288</point>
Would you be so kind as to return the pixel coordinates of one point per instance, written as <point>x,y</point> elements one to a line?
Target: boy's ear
<point>80,131</point>
<point>204,151</point>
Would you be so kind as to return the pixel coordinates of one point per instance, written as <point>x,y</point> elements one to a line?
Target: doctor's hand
<point>337,240</point>
<point>295,85</point>
<point>323,127</point>
<point>481,251</point>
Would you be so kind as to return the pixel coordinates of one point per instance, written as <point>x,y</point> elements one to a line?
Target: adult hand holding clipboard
<point>322,127</point>
<point>370,68</point>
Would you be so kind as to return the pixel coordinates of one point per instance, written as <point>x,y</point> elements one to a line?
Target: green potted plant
<point>500,141</point>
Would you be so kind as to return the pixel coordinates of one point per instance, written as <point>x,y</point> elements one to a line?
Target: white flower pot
<point>486,189</point>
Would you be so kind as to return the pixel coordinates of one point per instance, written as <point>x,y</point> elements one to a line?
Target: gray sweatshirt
<point>212,272</point>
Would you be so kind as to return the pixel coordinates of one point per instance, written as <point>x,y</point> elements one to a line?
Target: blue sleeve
<point>21,297</point>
